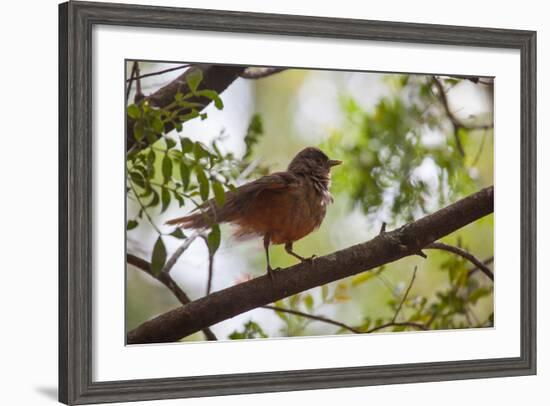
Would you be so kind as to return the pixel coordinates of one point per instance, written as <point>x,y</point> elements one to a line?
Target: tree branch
<point>129,81</point>
<point>486,262</point>
<point>464,254</point>
<point>313,317</point>
<point>258,73</point>
<point>178,253</point>
<point>394,324</point>
<point>384,248</point>
<point>215,77</point>
<point>404,296</point>
<point>166,280</point>
<point>160,72</point>
<point>139,96</point>
<point>456,123</point>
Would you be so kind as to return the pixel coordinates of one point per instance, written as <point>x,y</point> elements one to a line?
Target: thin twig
<point>160,72</point>
<point>480,150</point>
<point>313,317</point>
<point>166,280</point>
<point>456,123</point>
<point>383,279</point>
<point>464,254</point>
<point>178,253</point>
<point>395,324</point>
<point>132,76</point>
<point>143,208</point>
<point>258,73</point>
<point>404,296</point>
<point>486,262</point>
<point>210,266</point>
<point>473,79</point>
<point>139,94</point>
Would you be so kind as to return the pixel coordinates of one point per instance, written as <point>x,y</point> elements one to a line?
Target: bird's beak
<point>334,162</point>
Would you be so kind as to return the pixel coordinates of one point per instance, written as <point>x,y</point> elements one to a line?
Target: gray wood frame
<point>76,20</point>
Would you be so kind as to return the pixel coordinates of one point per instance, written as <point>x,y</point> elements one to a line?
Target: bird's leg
<point>270,271</point>
<point>288,248</point>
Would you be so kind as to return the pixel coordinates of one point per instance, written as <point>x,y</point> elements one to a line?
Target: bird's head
<point>312,161</point>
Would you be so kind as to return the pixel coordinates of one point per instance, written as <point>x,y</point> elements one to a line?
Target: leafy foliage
<point>385,149</point>
<point>251,330</point>
<point>253,134</point>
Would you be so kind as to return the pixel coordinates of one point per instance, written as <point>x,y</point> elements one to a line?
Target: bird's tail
<point>197,221</point>
<point>209,215</point>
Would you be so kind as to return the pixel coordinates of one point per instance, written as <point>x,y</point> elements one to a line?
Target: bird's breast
<point>287,215</point>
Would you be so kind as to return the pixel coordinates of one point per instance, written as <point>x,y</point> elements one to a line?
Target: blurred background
<point>411,144</point>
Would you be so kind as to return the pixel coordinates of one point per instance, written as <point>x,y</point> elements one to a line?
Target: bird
<point>282,207</point>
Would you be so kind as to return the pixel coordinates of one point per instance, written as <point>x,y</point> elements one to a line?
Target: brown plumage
<point>282,207</point>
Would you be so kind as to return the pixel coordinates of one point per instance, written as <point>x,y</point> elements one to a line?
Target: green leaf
<point>151,157</point>
<point>219,193</point>
<point>138,130</point>
<point>185,174</point>
<point>137,178</point>
<point>212,95</point>
<point>193,79</point>
<point>186,117</point>
<point>253,134</point>
<point>186,145</point>
<point>178,234</point>
<point>308,300</point>
<point>180,199</point>
<point>214,239</point>
<point>251,330</point>
<point>203,183</point>
<point>133,111</point>
<point>155,200</point>
<point>200,151</point>
<point>165,199</point>
<point>157,125</point>
<point>131,224</point>
<point>324,292</point>
<point>478,294</point>
<point>147,192</point>
<point>362,278</point>
<point>170,143</point>
<point>166,167</point>
<point>158,259</point>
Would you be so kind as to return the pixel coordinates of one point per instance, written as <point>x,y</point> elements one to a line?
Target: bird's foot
<point>271,272</point>
<point>309,260</point>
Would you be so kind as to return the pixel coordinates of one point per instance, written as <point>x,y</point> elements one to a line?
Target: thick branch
<point>385,248</point>
<point>258,73</point>
<point>215,77</point>
<point>166,280</point>
<point>464,254</point>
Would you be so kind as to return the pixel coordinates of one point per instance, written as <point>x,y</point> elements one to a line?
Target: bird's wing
<point>240,200</point>
<point>275,181</point>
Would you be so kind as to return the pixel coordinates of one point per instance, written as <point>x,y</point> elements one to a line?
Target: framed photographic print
<point>261,202</point>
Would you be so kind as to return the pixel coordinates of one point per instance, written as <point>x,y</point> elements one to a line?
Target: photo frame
<point>76,212</point>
